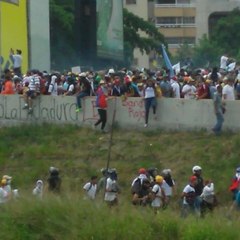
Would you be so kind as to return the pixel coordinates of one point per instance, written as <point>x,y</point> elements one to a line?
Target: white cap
<point>196,168</point>
<point>111,70</point>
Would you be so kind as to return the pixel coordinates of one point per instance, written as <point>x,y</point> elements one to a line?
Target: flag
<point>176,68</point>
<point>167,61</point>
<point>231,66</point>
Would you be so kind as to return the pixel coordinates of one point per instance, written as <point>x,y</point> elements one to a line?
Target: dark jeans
<point>103,117</point>
<point>218,127</point>
<point>150,102</point>
<point>79,96</point>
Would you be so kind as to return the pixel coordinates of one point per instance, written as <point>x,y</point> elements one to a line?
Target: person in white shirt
<point>175,87</point>
<point>189,197</point>
<point>223,62</point>
<point>90,188</point>
<point>158,194</point>
<point>53,86</point>
<point>189,90</point>
<point>17,61</point>
<point>3,193</point>
<point>228,89</point>
<point>38,190</point>
<point>111,190</point>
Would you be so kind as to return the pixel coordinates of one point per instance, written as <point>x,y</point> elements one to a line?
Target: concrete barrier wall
<point>172,114</point>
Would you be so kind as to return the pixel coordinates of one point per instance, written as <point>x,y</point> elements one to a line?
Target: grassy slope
<point>27,152</point>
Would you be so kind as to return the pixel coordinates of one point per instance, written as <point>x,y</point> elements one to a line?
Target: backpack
<point>136,187</point>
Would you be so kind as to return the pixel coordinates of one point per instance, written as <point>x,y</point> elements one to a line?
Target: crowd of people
<point>150,188</point>
<point>219,84</point>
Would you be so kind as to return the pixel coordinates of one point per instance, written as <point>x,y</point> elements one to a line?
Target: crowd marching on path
<point>150,188</point>
<point>219,84</point>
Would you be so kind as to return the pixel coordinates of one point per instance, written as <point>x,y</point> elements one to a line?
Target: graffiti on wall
<point>135,108</point>
<point>56,112</point>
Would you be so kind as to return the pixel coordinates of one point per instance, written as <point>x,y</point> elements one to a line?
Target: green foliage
<point>79,153</point>
<point>226,34</point>
<point>133,27</point>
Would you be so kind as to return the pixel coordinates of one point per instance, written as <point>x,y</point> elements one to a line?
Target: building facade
<point>141,9</point>
<point>186,21</point>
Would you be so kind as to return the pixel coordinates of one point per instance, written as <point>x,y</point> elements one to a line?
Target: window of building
<point>175,20</point>
<point>131,1</point>
<point>180,40</point>
<point>173,1</point>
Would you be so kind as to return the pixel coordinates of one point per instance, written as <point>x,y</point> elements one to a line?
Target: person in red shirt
<point>203,91</point>
<point>8,87</point>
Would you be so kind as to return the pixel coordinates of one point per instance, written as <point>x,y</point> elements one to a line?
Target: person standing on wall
<point>17,61</point>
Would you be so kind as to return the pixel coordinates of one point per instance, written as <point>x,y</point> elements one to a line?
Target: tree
<point>61,33</point>
<point>132,26</point>
<point>226,33</point>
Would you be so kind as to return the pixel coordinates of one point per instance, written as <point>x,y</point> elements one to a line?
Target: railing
<point>176,5</point>
<point>177,25</point>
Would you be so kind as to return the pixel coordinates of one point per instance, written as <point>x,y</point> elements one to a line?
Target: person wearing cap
<point>142,175</point>
<point>7,187</point>
<point>189,197</point>
<point>197,172</point>
<point>158,194</point>
<point>116,88</point>
<point>168,185</point>
<point>189,90</point>
<point>142,195</point>
<point>3,193</point>
<point>219,110</point>
<point>203,91</point>
<point>101,104</point>
<point>85,90</point>
<point>54,180</point>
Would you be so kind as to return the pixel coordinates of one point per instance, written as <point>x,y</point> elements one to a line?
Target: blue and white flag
<point>167,61</point>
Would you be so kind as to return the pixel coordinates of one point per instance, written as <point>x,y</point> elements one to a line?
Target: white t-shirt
<point>90,189</point>
<point>53,87</point>
<point>189,91</point>
<point>176,89</point>
<point>167,189</point>
<point>187,190</point>
<point>208,193</point>
<point>3,195</point>
<point>228,92</point>
<point>149,92</point>
<point>17,60</point>
<point>157,202</point>
<point>38,192</point>
<point>110,185</point>
<point>223,62</point>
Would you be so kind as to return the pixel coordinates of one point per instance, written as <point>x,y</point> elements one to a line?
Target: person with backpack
<point>54,180</point>
<point>111,189</point>
<point>158,194</point>
<point>101,104</point>
<point>90,188</point>
<point>142,193</point>
<point>189,197</point>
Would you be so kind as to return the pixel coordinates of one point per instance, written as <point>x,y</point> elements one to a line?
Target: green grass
<point>27,152</point>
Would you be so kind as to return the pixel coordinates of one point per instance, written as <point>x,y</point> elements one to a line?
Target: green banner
<point>110,29</point>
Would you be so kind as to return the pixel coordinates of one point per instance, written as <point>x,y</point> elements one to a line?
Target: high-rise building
<point>186,21</point>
